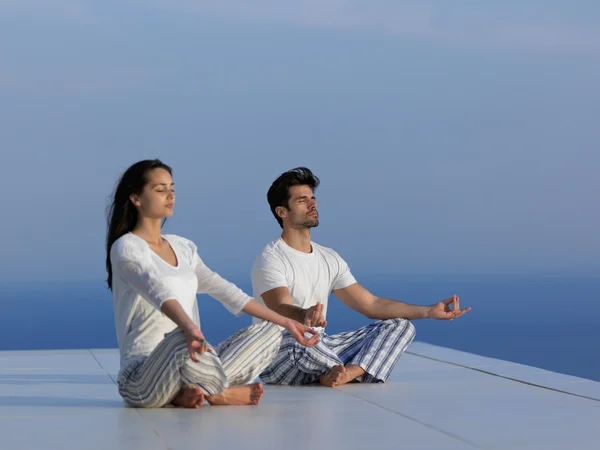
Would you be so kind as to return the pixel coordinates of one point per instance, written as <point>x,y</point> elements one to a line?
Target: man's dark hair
<point>279,192</point>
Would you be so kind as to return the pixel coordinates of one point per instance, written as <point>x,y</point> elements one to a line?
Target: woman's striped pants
<point>155,381</point>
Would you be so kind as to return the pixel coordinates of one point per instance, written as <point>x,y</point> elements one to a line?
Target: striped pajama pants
<point>375,347</point>
<point>155,381</point>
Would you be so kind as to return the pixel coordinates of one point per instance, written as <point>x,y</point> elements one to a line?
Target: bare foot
<point>341,375</point>
<point>336,377</point>
<point>189,397</point>
<point>249,394</point>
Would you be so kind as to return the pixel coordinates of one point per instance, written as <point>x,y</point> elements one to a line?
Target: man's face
<point>302,212</point>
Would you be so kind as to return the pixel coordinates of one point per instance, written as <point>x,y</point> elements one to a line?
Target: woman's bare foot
<point>238,395</point>
<point>189,397</point>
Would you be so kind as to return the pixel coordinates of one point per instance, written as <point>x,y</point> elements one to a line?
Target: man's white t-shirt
<point>142,281</point>
<point>310,277</point>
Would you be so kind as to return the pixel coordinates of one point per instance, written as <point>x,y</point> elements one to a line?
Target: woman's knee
<point>134,400</point>
<point>208,374</point>
<point>274,333</point>
<point>271,333</point>
<point>175,337</point>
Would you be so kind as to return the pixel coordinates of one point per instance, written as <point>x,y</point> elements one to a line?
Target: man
<point>294,276</point>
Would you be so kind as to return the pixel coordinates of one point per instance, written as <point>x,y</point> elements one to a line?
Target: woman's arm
<point>237,301</point>
<point>131,264</point>
<point>194,337</point>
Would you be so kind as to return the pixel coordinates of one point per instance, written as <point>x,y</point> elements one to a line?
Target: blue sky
<point>450,137</point>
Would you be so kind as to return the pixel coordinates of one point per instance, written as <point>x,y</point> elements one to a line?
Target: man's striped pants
<point>376,348</point>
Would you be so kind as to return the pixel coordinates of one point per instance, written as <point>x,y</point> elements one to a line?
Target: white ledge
<point>436,398</point>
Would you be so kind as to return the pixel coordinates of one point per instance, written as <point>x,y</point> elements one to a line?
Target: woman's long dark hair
<point>122,214</point>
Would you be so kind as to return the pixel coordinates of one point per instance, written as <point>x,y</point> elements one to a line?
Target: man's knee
<point>320,351</point>
<point>318,358</point>
<point>403,326</point>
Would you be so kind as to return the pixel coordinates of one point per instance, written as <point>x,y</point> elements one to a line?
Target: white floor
<point>437,398</point>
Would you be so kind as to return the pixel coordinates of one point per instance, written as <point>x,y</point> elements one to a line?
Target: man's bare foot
<point>341,375</point>
<point>249,394</point>
<point>336,377</point>
<point>189,397</point>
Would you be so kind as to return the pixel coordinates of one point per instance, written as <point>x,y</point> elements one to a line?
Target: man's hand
<point>313,317</point>
<point>297,330</point>
<point>196,343</point>
<point>442,311</point>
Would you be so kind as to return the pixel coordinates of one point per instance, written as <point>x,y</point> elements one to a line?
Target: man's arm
<point>361,300</point>
<point>280,300</point>
<point>268,277</point>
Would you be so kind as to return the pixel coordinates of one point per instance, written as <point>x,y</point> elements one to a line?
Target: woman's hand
<point>196,343</point>
<point>194,337</point>
<point>297,330</point>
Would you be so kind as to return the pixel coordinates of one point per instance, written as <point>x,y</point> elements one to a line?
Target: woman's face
<point>158,196</point>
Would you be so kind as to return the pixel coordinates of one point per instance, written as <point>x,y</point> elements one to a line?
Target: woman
<point>154,279</point>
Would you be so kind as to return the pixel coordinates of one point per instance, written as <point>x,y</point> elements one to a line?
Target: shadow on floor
<point>45,401</point>
<point>53,378</point>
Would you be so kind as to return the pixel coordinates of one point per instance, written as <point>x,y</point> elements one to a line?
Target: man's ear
<point>281,212</point>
